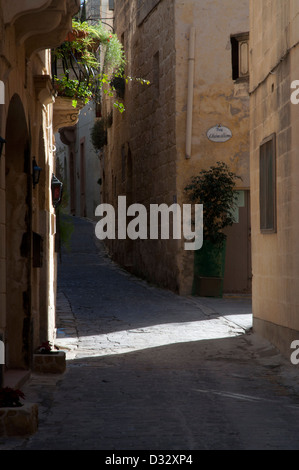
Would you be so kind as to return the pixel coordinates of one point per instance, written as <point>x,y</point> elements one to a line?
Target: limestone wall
<point>217,98</point>
<point>142,144</point>
<point>152,132</point>
<point>274,66</point>
<point>27,219</point>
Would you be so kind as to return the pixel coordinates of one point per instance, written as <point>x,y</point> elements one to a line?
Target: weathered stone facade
<point>27,217</point>
<point>147,146</point>
<point>274,66</point>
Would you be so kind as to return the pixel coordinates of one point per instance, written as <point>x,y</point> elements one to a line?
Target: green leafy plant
<point>215,189</point>
<point>99,134</point>
<point>100,60</point>
<point>79,71</point>
<point>73,89</point>
<point>10,397</point>
<point>66,229</point>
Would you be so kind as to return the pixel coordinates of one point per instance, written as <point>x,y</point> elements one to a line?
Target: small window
<point>240,56</point>
<point>268,185</point>
<point>111,4</point>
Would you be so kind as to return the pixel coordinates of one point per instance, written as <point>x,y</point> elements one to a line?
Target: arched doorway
<point>18,238</point>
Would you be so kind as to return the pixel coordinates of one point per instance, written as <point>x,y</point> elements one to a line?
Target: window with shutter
<point>240,56</point>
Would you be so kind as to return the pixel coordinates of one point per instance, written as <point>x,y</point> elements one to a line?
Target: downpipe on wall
<point>191,67</point>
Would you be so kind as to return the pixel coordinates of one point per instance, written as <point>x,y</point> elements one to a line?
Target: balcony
<point>40,24</point>
<point>65,113</point>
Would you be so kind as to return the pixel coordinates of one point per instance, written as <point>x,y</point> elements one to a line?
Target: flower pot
<point>19,421</point>
<point>209,265</point>
<point>75,35</point>
<point>49,363</point>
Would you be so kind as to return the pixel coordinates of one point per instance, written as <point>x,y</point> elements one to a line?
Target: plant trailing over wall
<point>215,189</point>
<point>73,89</point>
<point>77,70</point>
<point>99,134</point>
<point>118,84</point>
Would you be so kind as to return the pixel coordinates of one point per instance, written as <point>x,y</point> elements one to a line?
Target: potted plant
<point>99,134</point>
<point>78,72</point>
<point>16,418</point>
<point>48,361</point>
<point>215,189</point>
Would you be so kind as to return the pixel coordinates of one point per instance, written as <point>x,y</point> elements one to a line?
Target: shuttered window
<point>240,56</point>
<point>268,185</point>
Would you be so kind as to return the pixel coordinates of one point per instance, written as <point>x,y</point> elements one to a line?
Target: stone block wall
<point>141,159</point>
<point>146,150</point>
<point>274,66</point>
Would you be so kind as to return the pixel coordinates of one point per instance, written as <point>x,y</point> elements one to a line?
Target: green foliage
<point>65,224</point>
<point>83,44</point>
<point>90,37</point>
<point>215,189</point>
<point>88,43</point>
<point>73,89</point>
<point>66,229</point>
<point>99,134</point>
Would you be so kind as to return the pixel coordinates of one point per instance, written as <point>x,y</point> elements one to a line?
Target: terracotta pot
<point>74,35</point>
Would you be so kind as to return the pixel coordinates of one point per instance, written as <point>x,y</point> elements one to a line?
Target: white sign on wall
<point>219,134</point>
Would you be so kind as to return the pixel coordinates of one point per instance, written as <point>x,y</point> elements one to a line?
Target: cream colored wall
<point>154,124</point>
<point>217,99</point>
<point>274,65</point>
<point>39,119</point>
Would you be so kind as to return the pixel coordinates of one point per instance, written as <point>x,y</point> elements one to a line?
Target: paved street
<point>149,370</point>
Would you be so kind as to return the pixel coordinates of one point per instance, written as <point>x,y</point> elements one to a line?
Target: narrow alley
<point>149,370</point>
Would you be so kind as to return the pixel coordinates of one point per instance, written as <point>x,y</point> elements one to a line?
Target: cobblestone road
<point>148,370</point>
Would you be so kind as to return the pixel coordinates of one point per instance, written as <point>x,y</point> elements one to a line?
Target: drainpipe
<point>191,60</point>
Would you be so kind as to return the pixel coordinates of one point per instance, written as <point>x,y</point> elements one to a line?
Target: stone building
<point>79,160</point>
<point>195,55</point>
<point>28,118</point>
<point>274,75</point>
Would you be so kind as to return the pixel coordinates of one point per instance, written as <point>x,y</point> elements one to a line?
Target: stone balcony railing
<point>40,24</point>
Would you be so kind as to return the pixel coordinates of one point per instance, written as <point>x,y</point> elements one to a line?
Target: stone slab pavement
<point>150,370</point>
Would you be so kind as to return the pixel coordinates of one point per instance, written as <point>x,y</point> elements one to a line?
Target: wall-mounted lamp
<point>2,142</point>
<point>56,189</point>
<point>35,172</point>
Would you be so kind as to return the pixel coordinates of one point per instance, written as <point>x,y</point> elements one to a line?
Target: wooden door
<point>238,273</point>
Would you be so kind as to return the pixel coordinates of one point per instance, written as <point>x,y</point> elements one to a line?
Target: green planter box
<point>209,265</point>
